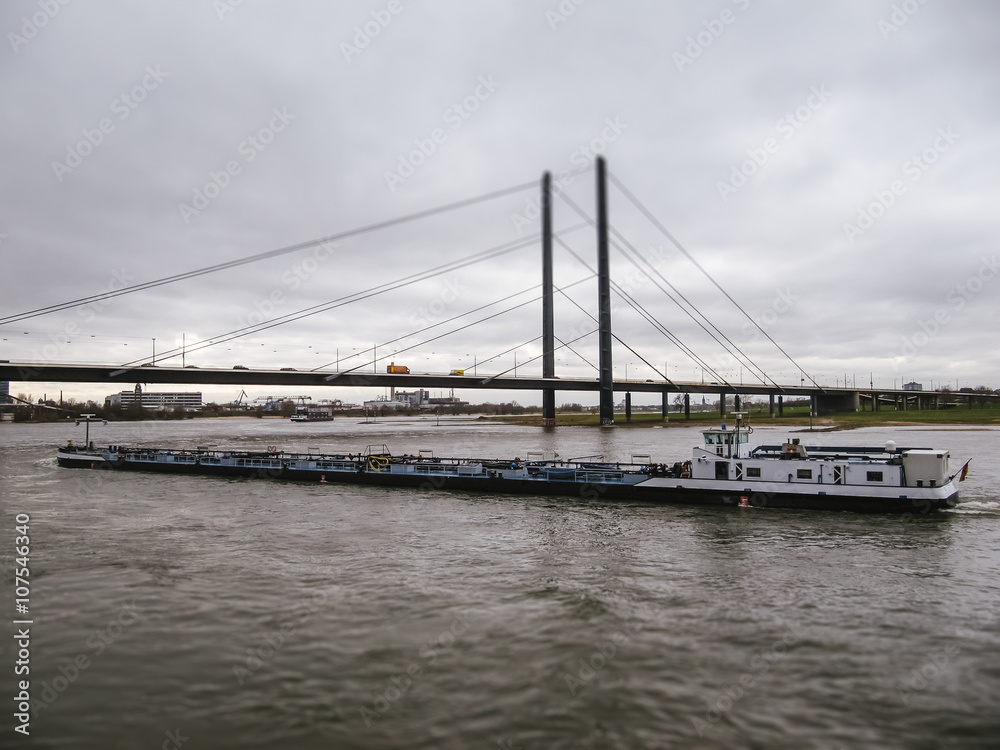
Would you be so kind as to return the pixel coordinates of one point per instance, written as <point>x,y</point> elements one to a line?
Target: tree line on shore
<point>48,410</point>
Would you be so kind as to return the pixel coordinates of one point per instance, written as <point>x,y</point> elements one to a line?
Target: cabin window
<point>722,470</point>
<point>753,471</point>
<point>874,476</point>
<point>804,474</point>
<point>838,474</point>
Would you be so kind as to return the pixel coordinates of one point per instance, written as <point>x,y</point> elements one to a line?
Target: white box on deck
<point>925,468</point>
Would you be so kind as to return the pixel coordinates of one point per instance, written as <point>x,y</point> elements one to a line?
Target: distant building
<point>399,400</point>
<point>157,401</point>
<point>413,399</point>
<point>913,386</point>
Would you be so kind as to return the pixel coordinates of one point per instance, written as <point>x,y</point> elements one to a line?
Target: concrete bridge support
<point>832,403</point>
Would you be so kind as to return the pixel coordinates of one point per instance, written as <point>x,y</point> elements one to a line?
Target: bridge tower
<point>607,408</point>
<point>548,332</point>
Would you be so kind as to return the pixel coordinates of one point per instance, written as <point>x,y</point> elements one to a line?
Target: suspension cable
<point>651,319</point>
<point>268,254</point>
<point>687,312</point>
<point>648,214</point>
<point>461,328</point>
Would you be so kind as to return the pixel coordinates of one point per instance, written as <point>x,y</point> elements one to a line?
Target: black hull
<point>552,487</point>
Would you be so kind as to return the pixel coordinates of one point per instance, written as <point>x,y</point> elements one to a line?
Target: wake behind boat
<point>722,471</point>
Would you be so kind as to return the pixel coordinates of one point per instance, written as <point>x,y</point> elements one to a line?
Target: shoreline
<point>969,419</point>
<point>965,418</point>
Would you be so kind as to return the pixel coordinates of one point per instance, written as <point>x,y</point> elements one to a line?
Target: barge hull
<point>901,500</point>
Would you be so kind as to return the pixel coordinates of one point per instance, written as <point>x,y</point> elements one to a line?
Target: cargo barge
<point>722,471</point>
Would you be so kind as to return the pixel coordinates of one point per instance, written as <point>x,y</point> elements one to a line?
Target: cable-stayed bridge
<point>370,374</point>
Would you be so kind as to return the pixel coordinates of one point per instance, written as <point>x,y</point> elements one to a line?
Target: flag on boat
<point>965,471</point>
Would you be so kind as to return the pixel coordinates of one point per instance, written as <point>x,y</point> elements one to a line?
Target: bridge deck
<point>79,373</point>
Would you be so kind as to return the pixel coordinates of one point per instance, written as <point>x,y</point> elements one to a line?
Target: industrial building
<point>155,401</point>
<point>419,399</point>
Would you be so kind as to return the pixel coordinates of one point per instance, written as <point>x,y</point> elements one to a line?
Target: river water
<point>198,612</point>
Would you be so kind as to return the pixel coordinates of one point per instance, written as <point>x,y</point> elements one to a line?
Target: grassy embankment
<point>797,416</point>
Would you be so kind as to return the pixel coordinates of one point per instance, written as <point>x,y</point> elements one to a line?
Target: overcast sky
<point>832,165</point>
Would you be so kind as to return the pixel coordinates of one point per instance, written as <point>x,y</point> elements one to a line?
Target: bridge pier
<point>770,405</point>
<point>687,406</point>
<point>666,406</point>
<point>722,405</point>
<point>781,406</point>
<point>628,406</point>
<point>832,403</point>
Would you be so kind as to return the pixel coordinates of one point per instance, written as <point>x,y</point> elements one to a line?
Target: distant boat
<point>312,414</point>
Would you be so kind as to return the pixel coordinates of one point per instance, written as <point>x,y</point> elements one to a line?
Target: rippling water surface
<point>215,613</point>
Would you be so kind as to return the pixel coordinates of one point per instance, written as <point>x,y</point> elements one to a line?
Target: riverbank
<point>798,419</point>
